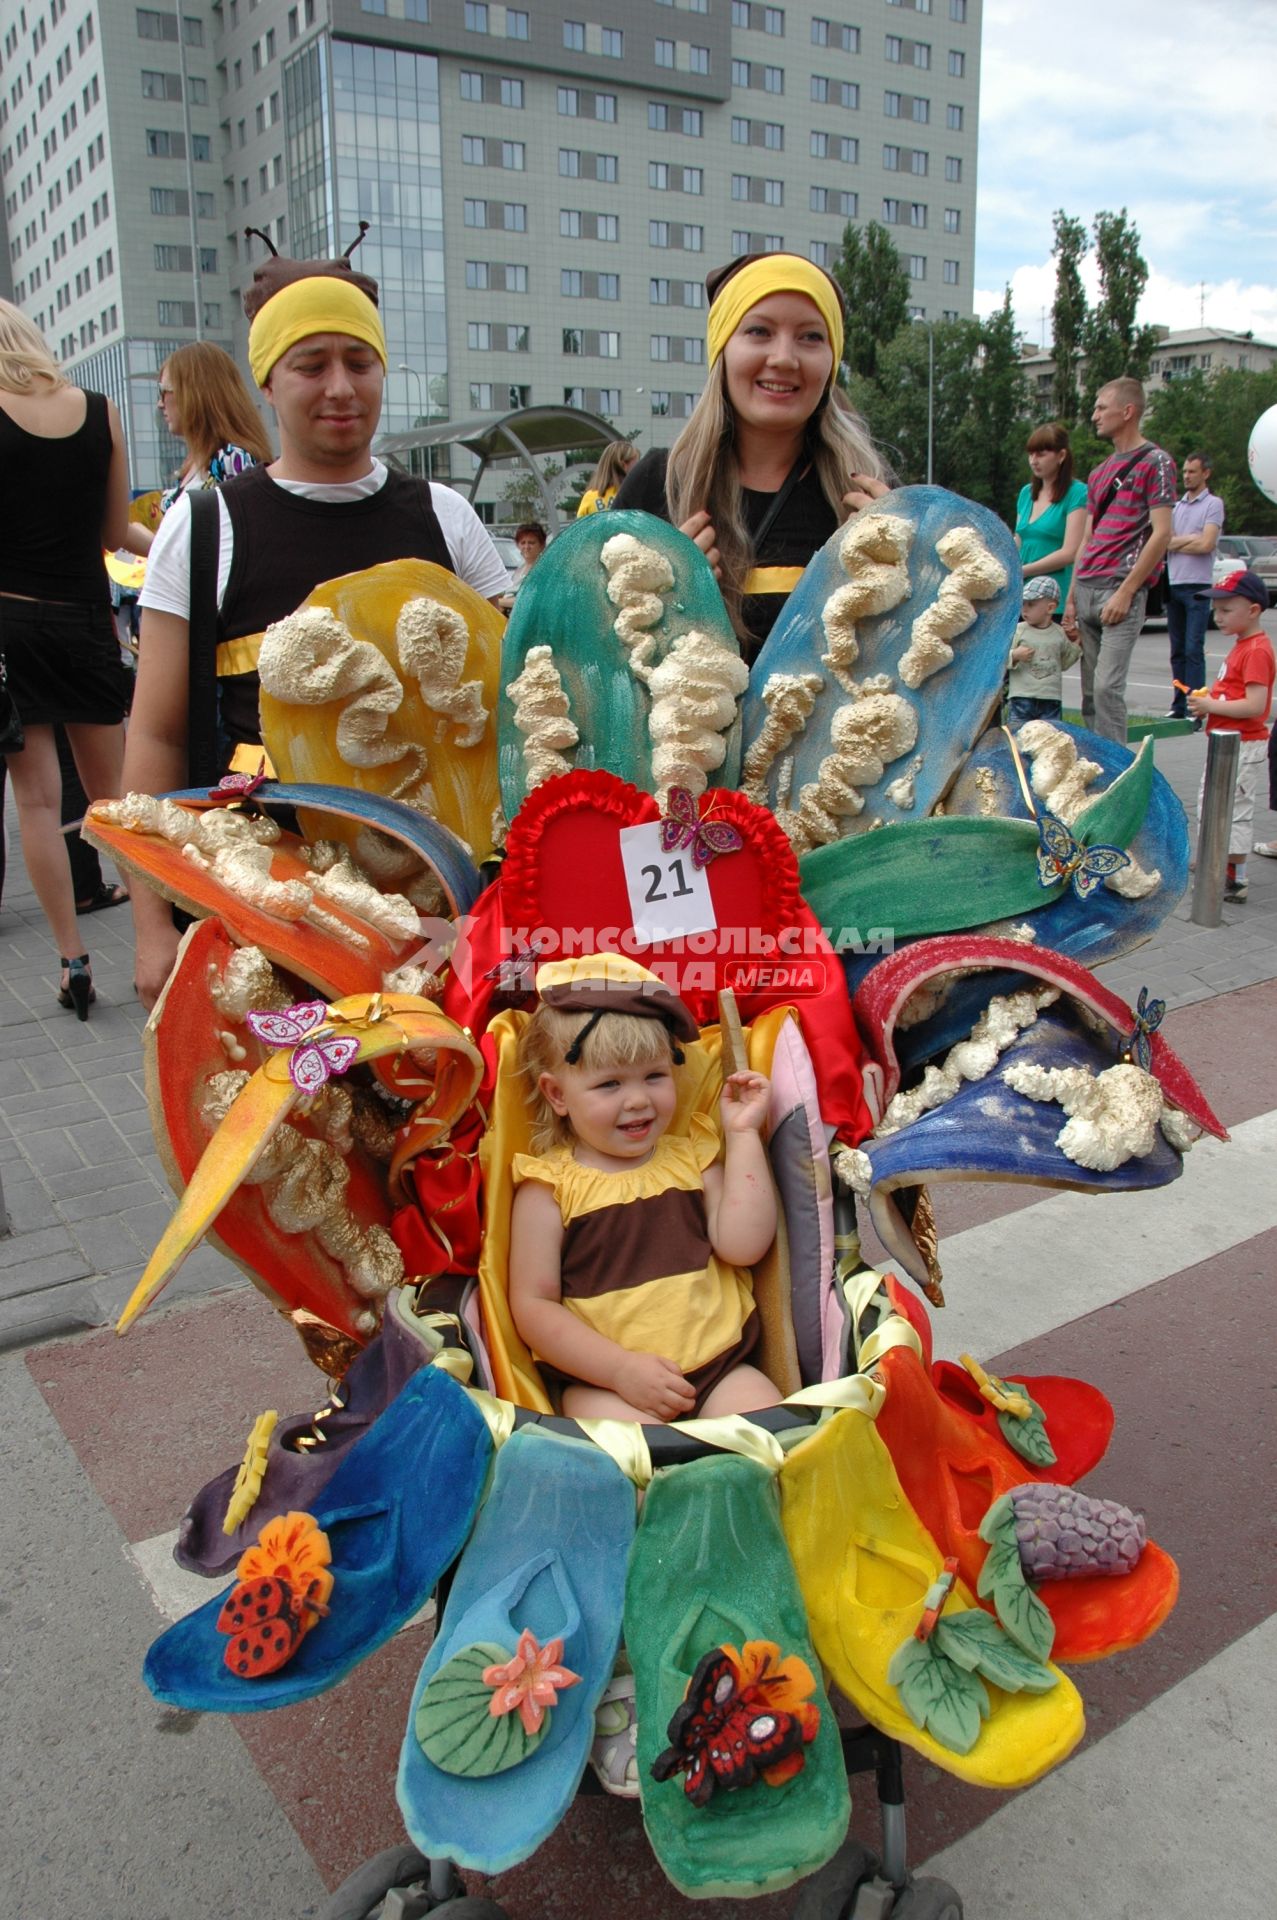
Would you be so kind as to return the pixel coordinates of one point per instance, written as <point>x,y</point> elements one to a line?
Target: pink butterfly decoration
<point>238,786</point>
<point>683,827</point>
<point>316,1054</point>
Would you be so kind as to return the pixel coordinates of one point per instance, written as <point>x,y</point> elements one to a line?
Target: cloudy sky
<point>1166,107</point>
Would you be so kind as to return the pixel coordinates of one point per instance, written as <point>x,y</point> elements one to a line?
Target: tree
<point>1114,344</point>
<point>1068,314</point>
<point>875,285</point>
<point>520,497</point>
<point>1214,414</point>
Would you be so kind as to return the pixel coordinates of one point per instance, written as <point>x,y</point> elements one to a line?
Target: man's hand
<point>1069,621</point>
<point>699,529</point>
<point>654,1386</point>
<point>1116,607</point>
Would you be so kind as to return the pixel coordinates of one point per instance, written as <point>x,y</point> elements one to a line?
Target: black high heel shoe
<point>79,991</point>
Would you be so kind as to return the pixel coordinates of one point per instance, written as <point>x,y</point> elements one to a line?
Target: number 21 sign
<point>669,896</point>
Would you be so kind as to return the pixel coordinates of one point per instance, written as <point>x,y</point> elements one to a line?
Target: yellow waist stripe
<point>239,656</point>
<point>772,579</point>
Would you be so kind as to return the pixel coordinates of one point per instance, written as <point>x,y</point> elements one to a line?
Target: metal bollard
<point>4,1216</point>
<point>1223,751</point>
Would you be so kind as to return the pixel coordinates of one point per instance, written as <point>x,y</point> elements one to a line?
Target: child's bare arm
<point>645,1380</point>
<point>740,1202</point>
<point>1249,708</point>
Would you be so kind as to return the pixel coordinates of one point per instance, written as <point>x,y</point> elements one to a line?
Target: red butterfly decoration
<point>725,1734</point>
<point>234,787</point>
<point>267,1621</point>
<point>683,827</point>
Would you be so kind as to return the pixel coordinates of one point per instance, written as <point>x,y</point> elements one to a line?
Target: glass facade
<point>128,373</point>
<point>363,143</point>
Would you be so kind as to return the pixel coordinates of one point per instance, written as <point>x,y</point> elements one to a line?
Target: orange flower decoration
<point>293,1549</point>
<point>786,1685</point>
<point>530,1682</point>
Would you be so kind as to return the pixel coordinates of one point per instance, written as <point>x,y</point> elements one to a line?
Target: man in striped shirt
<point>1129,497</point>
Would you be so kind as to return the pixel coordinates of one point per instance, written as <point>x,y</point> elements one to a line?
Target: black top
<point>52,503</point>
<point>799,530</point>
<point>285,545</point>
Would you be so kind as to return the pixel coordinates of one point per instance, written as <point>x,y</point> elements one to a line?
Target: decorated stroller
<point>900,1528</point>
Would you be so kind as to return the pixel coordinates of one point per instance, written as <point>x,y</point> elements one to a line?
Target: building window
<point>570,163</point>
<point>698,59</point>
<point>513,155</point>
<point>953,119</point>
<point>477,274</point>
<point>958,11</point>
<point>894,47</point>
<point>740,73</point>
<point>569,223</point>
<point>917,214</point>
<point>472,150</point>
<point>952,220</point>
<point>951,273</point>
<point>658,175</point>
<point>609,226</point>
<point>818,253</point>
<point>891,159</point>
<point>658,233</point>
<point>917,266</point>
<point>609,286</point>
<point>613,46</point>
<point>605,106</point>
<point>918,161</point>
<point>471,85</point>
<point>773,79</point>
<point>773,20</point>
<point>953,169</point>
<point>773,193</point>
<point>516,24</point>
<point>663,53</point>
<point>957,65</point>
<point>475,213</point>
<point>574,35</point>
<point>476,16</point>
<point>479,336</point>
<point>573,339</point>
<point>511,93</point>
<point>658,116</point>
<point>891,212</point>
<point>891,105</point>
<point>514,218</point>
<point>569,102</point>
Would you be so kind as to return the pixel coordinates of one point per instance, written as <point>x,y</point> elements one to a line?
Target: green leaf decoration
<point>1002,1581</point>
<point>977,1644</point>
<point>938,1695</point>
<point>454,1726</point>
<point>1027,1437</point>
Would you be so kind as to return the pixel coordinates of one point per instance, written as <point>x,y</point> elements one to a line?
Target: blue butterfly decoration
<point>1148,1017</point>
<point>1061,857</point>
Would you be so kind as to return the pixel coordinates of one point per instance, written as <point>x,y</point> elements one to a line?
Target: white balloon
<point>1263,453</point>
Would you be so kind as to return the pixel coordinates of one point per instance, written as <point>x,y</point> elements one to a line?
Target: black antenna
<point>365,226</point>
<point>250,232</point>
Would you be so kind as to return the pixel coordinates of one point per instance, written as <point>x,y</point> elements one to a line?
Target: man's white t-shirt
<point>168,568</point>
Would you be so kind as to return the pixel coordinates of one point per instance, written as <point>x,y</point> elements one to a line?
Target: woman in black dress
<point>64,495</point>
<point>773,457</point>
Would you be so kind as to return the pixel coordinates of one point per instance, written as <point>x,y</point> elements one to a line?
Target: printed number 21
<point>655,875</point>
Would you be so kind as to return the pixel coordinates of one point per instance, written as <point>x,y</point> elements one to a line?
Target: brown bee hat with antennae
<point>277,271</point>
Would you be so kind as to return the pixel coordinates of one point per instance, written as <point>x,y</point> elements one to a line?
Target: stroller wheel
<point>928,1900</point>
<point>830,1893</point>
<point>360,1897</point>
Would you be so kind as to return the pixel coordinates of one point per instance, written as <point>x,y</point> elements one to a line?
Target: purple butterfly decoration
<point>515,974</point>
<point>683,827</point>
<point>238,786</point>
<point>1148,1017</point>
<point>316,1053</point>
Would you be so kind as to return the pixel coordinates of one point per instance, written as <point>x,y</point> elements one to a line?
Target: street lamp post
<point>423,402</point>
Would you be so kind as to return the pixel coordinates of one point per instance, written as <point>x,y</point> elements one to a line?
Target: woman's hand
<point>699,529</point>
<point>864,491</point>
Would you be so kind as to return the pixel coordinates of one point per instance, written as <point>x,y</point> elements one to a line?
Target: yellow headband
<point>319,304</point>
<point>776,273</point>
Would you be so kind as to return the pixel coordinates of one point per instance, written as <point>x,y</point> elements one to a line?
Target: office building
<point>546,185</point>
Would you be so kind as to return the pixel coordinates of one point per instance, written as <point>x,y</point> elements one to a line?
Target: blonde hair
<point>702,473</point>
<point>214,406</point>
<point>617,1040</point>
<point>25,357</point>
<point>615,461</point>
<point>1127,393</point>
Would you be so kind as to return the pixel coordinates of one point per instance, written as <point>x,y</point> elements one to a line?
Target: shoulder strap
<point>201,729</point>
<point>1114,486</point>
<point>772,514</point>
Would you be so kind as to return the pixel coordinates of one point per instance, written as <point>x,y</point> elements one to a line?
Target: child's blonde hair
<point>616,1040</point>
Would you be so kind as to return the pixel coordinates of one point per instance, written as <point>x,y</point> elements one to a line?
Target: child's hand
<point>1021,653</point>
<point>1200,701</point>
<point>653,1385</point>
<point>743,1103</point>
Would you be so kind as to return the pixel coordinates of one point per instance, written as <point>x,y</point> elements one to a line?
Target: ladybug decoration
<point>732,1728</point>
<point>281,1593</point>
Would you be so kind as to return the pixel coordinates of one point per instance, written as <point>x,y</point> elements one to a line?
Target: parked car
<point>1258,551</point>
<point>511,558</point>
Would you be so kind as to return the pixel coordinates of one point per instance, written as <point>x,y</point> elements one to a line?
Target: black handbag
<point>12,738</point>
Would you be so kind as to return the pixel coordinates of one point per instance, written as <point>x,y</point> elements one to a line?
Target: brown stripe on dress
<point>624,1246</point>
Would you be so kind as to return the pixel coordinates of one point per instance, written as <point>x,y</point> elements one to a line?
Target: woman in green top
<point>1050,514</point>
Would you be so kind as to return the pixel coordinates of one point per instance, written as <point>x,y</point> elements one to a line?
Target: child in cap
<point>629,1245</point>
<point>1240,701</point>
<point>1039,655</point>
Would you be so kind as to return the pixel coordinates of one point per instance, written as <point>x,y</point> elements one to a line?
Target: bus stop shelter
<point>526,436</point>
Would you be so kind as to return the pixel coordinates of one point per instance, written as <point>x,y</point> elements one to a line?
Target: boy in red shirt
<point>1240,701</point>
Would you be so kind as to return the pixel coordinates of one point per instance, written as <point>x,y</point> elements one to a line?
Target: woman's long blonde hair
<point>615,461</point>
<point>214,407</point>
<point>702,473</point>
<point>26,362</point>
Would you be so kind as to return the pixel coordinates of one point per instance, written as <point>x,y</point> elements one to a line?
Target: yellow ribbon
<point>1018,764</point>
<point>771,580</point>
<point>498,1414</point>
<point>240,656</point>
<point>734,1433</point>
<point>623,1440</point>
